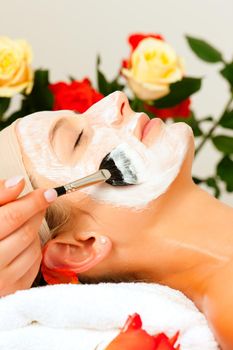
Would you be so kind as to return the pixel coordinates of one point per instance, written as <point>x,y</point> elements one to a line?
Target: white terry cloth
<point>88,317</point>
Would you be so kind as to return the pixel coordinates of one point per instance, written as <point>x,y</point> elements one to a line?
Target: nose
<point>112,110</point>
<point>122,108</point>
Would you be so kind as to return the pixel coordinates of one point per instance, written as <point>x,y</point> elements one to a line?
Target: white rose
<point>154,66</point>
<point>15,71</point>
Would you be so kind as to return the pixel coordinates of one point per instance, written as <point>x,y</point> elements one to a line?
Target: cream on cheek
<point>160,163</point>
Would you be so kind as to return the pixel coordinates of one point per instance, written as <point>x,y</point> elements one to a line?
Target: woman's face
<point>64,146</point>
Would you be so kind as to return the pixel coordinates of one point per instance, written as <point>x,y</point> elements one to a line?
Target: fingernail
<point>13,181</point>
<point>50,195</point>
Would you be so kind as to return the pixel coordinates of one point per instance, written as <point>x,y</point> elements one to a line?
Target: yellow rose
<point>154,66</point>
<point>15,70</point>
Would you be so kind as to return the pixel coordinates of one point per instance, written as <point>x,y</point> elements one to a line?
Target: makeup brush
<point>117,169</point>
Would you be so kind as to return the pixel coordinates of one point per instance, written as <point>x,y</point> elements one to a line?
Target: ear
<point>78,256</point>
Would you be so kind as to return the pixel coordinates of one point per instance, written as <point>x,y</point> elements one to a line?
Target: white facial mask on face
<point>161,162</point>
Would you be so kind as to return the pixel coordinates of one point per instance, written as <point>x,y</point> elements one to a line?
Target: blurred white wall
<point>66,36</point>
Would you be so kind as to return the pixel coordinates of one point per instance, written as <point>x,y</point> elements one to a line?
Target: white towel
<point>82,317</point>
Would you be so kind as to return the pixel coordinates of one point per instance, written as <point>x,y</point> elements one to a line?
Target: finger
<point>10,189</point>
<point>18,241</point>
<point>20,265</point>
<point>14,215</point>
<point>23,282</point>
<point>28,278</point>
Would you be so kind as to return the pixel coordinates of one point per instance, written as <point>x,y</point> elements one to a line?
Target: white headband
<point>11,164</point>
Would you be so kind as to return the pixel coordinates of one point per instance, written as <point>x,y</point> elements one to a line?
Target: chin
<point>181,128</point>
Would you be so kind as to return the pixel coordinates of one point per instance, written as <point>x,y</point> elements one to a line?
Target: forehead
<point>41,122</point>
<point>34,130</point>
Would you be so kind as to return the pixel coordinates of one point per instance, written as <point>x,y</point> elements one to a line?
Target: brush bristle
<point>121,175</point>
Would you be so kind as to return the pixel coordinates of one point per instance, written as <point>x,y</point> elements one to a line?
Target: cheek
<point>170,144</point>
<point>103,115</point>
<point>162,163</point>
<point>103,141</point>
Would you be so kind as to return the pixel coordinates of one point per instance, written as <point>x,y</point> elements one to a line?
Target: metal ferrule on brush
<point>100,176</point>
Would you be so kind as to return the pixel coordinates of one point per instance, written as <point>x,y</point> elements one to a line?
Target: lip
<point>141,123</point>
<point>148,126</point>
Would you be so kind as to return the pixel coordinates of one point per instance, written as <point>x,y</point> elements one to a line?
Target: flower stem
<point>216,123</point>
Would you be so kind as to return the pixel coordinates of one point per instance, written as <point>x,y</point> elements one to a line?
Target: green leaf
<point>4,104</point>
<point>71,78</point>
<point>106,87</point>
<point>114,85</point>
<point>197,180</point>
<point>12,118</point>
<point>223,143</point>
<point>227,120</point>
<point>206,119</point>
<point>225,172</point>
<point>138,105</point>
<point>211,182</point>
<point>179,91</point>
<point>41,98</point>
<point>227,73</point>
<point>204,50</point>
<point>102,83</point>
<point>98,61</point>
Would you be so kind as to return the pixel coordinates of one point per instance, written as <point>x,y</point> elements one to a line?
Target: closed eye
<point>78,139</point>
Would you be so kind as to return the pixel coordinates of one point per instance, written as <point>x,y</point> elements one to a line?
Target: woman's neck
<point>191,240</point>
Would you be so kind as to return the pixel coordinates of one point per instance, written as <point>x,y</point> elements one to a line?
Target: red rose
<point>133,337</point>
<point>77,95</point>
<point>180,110</point>
<point>135,39</point>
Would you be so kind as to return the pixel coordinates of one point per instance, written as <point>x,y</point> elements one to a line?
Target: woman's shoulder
<point>218,305</point>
